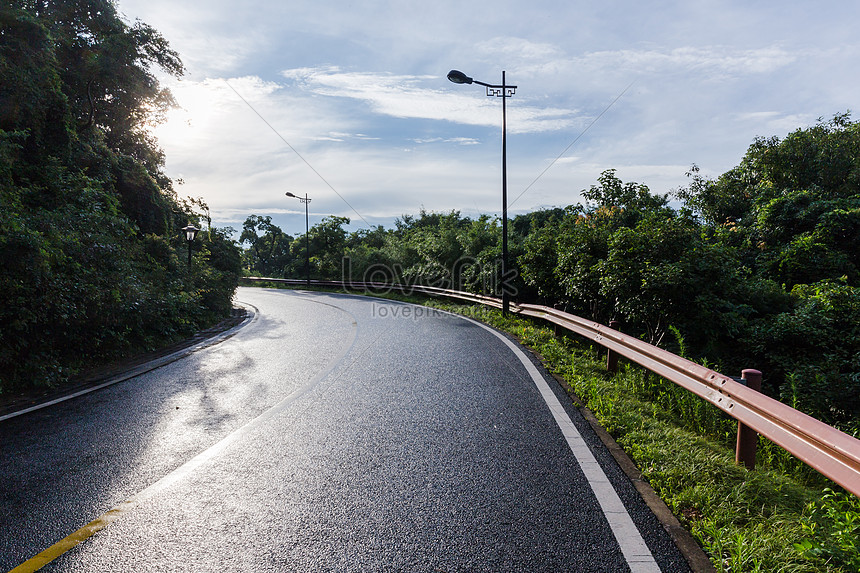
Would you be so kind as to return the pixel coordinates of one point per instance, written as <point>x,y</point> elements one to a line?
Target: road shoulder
<point>16,404</point>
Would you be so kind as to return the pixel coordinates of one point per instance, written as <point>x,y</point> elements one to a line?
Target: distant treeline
<point>759,268</point>
<point>93,262</point>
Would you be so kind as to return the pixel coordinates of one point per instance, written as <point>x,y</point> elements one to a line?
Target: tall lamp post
<point>503,91</point>
<point>190,234</point>
<point>305,200</point>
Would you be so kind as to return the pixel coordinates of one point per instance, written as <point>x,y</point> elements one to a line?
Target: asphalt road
<point>331,433</point>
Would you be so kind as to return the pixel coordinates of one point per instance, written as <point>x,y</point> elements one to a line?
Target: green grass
<point>781,517</point>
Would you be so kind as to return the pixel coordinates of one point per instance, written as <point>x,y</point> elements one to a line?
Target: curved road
<point>332,433</point>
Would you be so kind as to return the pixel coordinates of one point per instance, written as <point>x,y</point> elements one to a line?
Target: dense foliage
<point>759,268</point>
<point>93,262</point>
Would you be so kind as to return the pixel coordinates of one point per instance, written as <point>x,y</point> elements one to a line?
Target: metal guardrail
<point>829,451</point>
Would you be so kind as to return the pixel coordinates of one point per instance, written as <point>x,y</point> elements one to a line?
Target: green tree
<point>814,351</point>
<point>268,253</point>
<point>370,258</point>
<point>583,243</point>
<point>477,268</point>
<point>328,247</point>
<point>792,205</point>
<point>538,260</point>
<point>88,221</point>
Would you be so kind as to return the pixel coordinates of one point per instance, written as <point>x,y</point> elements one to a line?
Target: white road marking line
<point>635,551</point>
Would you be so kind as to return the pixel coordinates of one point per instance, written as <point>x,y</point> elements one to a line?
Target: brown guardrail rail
<point>829,451</point>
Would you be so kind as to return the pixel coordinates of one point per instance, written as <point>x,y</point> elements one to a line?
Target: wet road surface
<point>332,433</point>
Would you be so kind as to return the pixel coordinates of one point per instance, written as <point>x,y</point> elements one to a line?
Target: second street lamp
<point>190,234</point>
<point>503,91</point>
<point>305,200</point>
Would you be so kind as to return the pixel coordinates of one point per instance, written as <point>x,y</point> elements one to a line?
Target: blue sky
<point>349,102</point>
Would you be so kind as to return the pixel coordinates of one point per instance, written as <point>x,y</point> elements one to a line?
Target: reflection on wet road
<point>332,433</point>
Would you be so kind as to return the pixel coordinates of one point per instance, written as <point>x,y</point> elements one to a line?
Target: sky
<point>348,102</point>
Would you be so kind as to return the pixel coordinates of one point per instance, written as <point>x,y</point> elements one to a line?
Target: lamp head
<point>291,195</point>
<point>190,232</point>
<point>459,77</point>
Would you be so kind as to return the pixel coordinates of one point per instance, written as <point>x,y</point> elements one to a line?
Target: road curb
<point>696,558</point>
<point>689,547</point>
<point>140,368</point>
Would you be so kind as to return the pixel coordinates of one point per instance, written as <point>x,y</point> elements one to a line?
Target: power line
<point>299,154</point>
<point>560,155</point>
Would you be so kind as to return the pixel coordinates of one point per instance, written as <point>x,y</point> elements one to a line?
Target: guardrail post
<point>611,355</point>
<point>557,329</point>
<point>747,437</point>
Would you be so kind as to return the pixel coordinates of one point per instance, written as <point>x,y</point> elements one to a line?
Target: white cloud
<point>595,69</point>
<point>717,61</point>
<point>457,140</point>
<point>776,122</point>
<point>360,92</point>
<point>518,52</point>
<point>421,97</point>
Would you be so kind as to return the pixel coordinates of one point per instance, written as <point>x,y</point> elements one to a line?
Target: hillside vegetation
<point>94,265</point>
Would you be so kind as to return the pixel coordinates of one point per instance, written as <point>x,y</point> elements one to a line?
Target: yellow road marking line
<point>79,536</point>
<point>93,527</point>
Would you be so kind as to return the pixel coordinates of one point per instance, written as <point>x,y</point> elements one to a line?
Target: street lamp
<point>305,200</point>
<point>190,234</point>
<point>503,91</point>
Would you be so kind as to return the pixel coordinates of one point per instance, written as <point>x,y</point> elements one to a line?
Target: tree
<point>792,205</point>
<point>631,200</point>
<point>269,252</point>
<point>813,351</point>
<point>328,247</point>
<point>585,239</point>
<point>538,262</point>
<point>88,222</point>
<point>649,270</point>
<point>370,258</point>
<point>106,70</point>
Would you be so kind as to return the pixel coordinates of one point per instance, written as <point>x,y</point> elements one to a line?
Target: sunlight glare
<point>197,108</point>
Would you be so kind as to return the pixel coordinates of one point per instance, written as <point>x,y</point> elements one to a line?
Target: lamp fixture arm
<point>495,86</point>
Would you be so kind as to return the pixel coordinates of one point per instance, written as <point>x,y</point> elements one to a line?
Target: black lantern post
<point>503,91</point>
<point>190,234</point>
<point>305,200</point>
